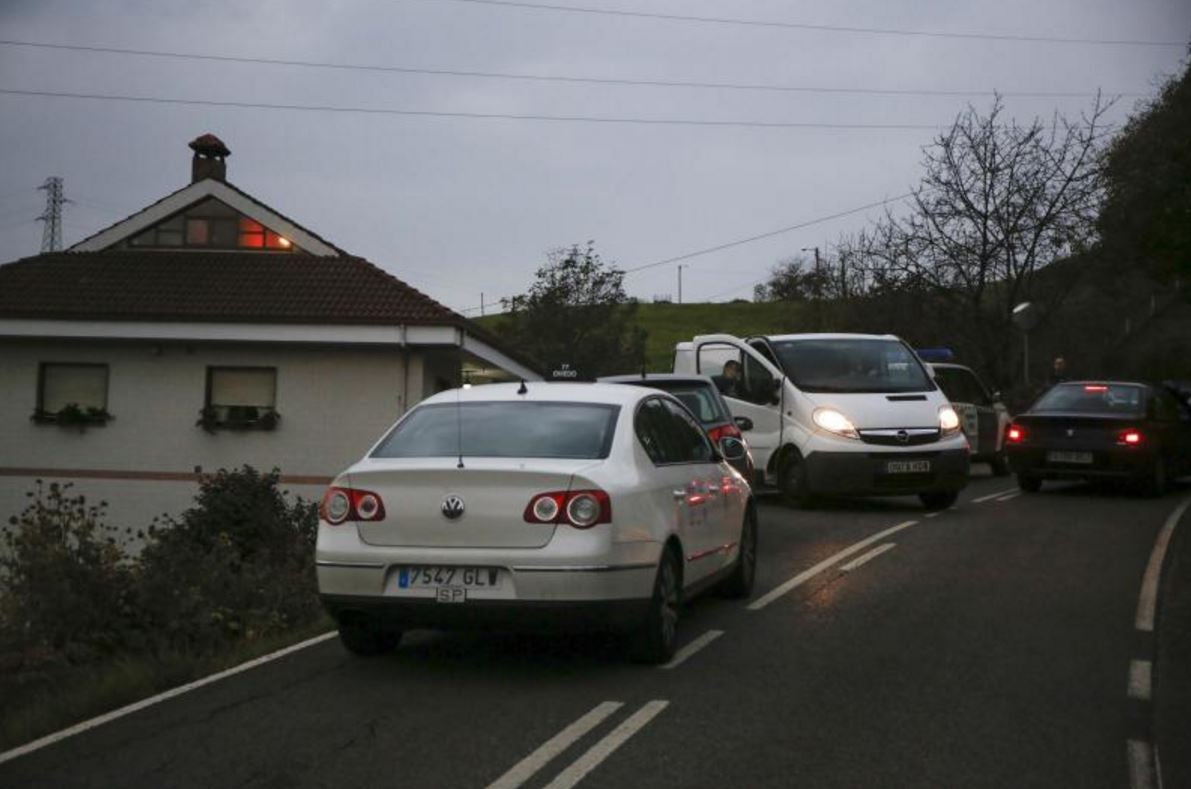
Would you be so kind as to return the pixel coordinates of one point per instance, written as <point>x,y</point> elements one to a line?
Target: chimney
<point>208,161</point>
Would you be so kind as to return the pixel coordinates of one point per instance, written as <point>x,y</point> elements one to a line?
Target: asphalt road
<point>990,646</point>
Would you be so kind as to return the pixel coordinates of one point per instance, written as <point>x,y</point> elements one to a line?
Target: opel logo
<point>903,436</point>
<point>1070,432</point>
<point>452,507</point>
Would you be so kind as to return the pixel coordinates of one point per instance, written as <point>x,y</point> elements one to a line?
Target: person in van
<point>728,381</point>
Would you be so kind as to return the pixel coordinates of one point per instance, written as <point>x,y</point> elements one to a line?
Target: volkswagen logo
<point>452,507</point>
<point>903,436</point>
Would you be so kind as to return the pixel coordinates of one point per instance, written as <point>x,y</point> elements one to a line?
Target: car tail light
<point>1130,438</point>
<point>1095,388</point>
<point>1015,434</point>
<point>724,431</point>
<point>344,504</point>
<point>579,508</point>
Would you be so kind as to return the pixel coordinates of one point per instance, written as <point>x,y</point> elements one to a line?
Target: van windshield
<point>852,365</point>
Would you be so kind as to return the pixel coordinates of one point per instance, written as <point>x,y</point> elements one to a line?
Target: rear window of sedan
<point>503,430</point>
<point>1094,399</point>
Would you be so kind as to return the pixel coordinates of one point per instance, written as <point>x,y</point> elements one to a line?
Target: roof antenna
<point>523,389</point>
<point>459,426</point>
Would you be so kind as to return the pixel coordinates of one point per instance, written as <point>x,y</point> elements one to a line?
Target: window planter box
<point>215,418</point>
<point>72,416</point>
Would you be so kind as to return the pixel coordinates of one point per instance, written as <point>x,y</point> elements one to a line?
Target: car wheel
<point>939,499</point>
<point>655,640</point>
<point>1155,484</point>
<point>744,573</point>
<point>792,483</point>
<point>367,639</point>
<point>1029,483</point>
<point>999,464</point>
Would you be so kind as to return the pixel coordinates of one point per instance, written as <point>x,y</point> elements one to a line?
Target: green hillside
<point>668,324</point>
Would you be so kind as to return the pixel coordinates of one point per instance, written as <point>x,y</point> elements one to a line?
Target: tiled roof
<point>249,287</point>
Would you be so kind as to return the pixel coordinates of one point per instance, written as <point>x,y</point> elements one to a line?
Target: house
<point>208,331</point>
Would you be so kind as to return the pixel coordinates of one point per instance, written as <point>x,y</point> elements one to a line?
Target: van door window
<point>758,382</point>
<point>762,347</point>
<point>722,363</point>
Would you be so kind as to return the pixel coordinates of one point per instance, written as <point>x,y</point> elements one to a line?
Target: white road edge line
<point>78,728</point>
<point>1141,673</point>
<point>873,554</point>
<point>1141,765</point>
<point>682,655</point>
<point>932,514</point>
<point>1148,599</point>
<point>1011,496</point>
<point>806,575</point>
<point>992,496</point>
<point>597,753</point>
<point>525,769</point>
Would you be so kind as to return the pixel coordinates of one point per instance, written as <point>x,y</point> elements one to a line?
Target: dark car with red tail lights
<point>1102,430</point>
<point>701,397</point>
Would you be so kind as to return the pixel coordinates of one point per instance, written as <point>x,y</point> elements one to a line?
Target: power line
<point>553,78</point>
<point>471,115</point>
<point>751,239</point>
<point>882,31</point>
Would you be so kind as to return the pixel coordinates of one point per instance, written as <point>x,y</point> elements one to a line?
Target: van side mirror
<point>743,422</point>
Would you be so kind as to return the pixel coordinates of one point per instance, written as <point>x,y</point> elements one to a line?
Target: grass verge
<point>35,706</point>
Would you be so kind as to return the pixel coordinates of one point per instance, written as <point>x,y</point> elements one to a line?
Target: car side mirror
<point>732,448</point>
<point>743,422</point>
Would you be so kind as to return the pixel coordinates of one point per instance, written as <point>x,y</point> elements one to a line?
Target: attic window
<point>211,224</point>
<point>254,235</point>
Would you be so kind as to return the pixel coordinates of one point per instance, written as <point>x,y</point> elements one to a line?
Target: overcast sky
<point>460,206</point>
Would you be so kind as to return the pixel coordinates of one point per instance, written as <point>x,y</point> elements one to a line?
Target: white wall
<point>334,403</point>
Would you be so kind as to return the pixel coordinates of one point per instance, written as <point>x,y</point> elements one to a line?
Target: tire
<point>939,499</point>
<point>1029,483</point>
<point>744,573</point>
<point>999,464</point>
<point>792,483</point>
<point>366,639</point>
<point>656,638</point>
<point>1156,482</point>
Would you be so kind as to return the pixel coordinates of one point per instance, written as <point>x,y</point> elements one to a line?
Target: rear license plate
<point>1061,456</point>
<point>436,577</point>
<point>907,467</point>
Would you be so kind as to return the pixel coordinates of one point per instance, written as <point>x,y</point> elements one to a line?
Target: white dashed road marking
<point>525,769</point>
<point>605,747</point>
<point>1141,674</point>
<point>1148,599</point>
<point>684,654</point>
<point>992,496</point>
<point>1010,497</point>
<point>806,575</point>
<point>1142,774</point>
<point>873,554</point>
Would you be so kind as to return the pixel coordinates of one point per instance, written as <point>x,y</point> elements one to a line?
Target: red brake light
<point>344,504</point>
<point>1015,434</point>
<point>1095,388</point>
<point>724,431</point>
<point>579,508</point>
<point>1130,437</point>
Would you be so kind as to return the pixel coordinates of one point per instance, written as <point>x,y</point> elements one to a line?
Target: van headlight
<point>948,420</point>
<point>834,422</point>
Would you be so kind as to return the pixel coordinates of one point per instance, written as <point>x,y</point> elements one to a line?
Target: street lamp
<point>1025,317</point>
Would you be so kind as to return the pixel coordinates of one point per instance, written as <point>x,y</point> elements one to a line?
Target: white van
<point>840,414</point>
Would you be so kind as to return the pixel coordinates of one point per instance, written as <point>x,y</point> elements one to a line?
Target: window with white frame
<point>72,389</point>
<point>241,397</point>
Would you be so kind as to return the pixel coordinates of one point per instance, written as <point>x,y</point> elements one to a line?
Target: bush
<point>237,565</point>
<point>66,584</point>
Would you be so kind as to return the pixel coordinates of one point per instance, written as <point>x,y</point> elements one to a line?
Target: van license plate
<point>907,467</point>
<point>1060,456</point>
<point>450,594</point>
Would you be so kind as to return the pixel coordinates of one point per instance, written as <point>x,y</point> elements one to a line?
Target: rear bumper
<point>552,616</point>
<point>1106,464</point>
<point>864,473</point>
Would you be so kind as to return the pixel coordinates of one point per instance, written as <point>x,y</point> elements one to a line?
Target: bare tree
<point>998,202</point>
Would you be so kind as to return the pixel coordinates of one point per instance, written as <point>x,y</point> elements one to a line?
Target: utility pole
<point>481,304</point>
<point>680,266</point>
<point>51,236</point>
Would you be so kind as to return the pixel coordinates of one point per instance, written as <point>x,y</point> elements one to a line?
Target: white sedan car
<point>564,506</point>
